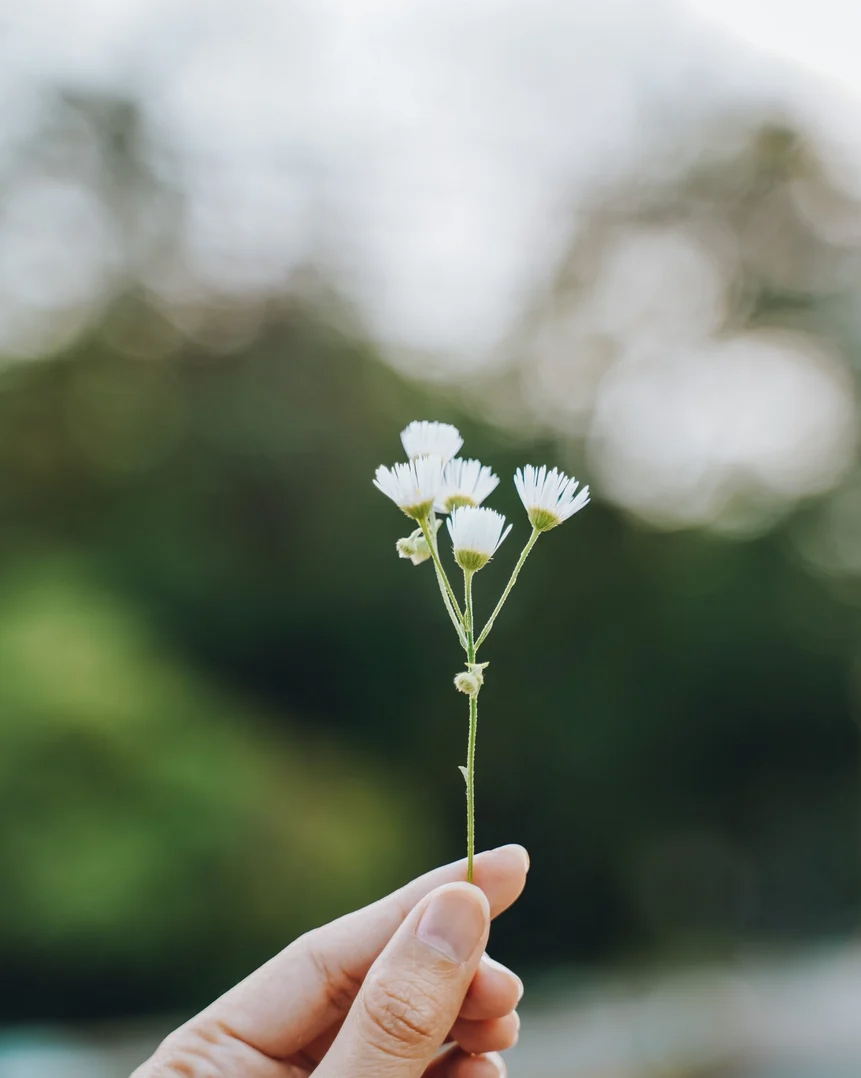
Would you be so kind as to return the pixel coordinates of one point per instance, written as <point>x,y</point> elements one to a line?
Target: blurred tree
<point>157,833</point>
<point>224,702</point>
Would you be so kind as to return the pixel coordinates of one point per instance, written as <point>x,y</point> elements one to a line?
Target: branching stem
<point>448,598</point>
<point>524,554</point>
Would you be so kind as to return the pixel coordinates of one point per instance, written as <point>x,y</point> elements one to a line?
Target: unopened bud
<point>415,546</point>
<point>421,551</point>
<point>469,681</point>
<point>406,548</point>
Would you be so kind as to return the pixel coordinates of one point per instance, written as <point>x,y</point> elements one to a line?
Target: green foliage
<point>676,745</point>
<point>153,823</point>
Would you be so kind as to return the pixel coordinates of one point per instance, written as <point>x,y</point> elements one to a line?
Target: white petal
<point>423,438</point>
<point>552,491</point>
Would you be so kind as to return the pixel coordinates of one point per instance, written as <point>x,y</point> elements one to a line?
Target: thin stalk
<point>450,602</point>
<point>468,618</point>
<point>524,554</point>
<point>470,786</point>
<point>473,730</point>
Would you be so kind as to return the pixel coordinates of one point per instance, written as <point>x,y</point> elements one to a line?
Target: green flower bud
<point>415,546</point>
<point>421,551</point>
<point>469,681</point>
<point>406,548</point>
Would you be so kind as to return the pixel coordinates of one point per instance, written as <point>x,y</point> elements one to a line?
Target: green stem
<point>473,729</point>
<point>524,554</point>
<point>468,618</point>
<point>451,604</point>
<point>470,786</point>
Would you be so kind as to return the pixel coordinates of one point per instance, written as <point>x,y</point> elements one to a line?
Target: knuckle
<point>187,1053</point>
<point>340,985</point>
<point>400,1018</point>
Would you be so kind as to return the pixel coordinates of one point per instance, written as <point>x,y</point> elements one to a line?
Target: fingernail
<point>498,966</point>
<point>453,923</point>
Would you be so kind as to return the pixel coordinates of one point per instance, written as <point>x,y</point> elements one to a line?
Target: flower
<point>548,497</point>
<point>413,487</point>
<point>476,535</point>
<point>465,482</point>
<point>424,439</point>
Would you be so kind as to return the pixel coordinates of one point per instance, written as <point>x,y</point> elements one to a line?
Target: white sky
<point>820,35</point>
<point>433,147</point>
<point>433,156</point>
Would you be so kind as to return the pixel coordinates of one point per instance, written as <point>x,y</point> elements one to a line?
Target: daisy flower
<point>548,497</point>
<point>424,439</point>
<point>413,487</point>
<point>476,535</point>
<point>465,482</point>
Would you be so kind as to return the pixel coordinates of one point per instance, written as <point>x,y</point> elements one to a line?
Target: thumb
<point>413,992</point>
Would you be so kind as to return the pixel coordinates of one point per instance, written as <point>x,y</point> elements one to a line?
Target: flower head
<point>548,497</point>
<point>413,487</point>
<point>465,482</point>
<point>424,439</point>
<point>476,535</point>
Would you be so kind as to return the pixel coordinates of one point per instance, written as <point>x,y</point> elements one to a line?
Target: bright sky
<point>433,156</point>
<point>821,35</point>
<point>437,144</point>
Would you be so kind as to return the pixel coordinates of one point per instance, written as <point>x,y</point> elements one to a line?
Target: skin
<point>400,989</point>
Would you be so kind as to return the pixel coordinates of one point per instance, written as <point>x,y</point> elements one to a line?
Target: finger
<point>328,965</point>
<point>457,1064</point>
<point>413,992</point>
<point>495,991</point>
<point>494,1035</point>
<point>192,1050</point>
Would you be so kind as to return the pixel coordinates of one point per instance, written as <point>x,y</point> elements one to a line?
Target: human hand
<point>374,994</point>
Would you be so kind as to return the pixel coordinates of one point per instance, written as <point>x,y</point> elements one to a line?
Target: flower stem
<point>470,786</point>
<point>448,598</point>
<point>524,554</point>
<point>468,618</point>
<point>469,774</point>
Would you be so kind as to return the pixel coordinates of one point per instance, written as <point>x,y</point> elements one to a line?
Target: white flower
<point>476,535</point>
<point>465,482</point>
<point>413,487</point>
<point>424,439</point>
<point>548,497</point>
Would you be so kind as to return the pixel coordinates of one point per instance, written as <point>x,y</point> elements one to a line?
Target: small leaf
<point>464,772</point>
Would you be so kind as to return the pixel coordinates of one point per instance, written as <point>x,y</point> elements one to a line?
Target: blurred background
<point>241,246</point>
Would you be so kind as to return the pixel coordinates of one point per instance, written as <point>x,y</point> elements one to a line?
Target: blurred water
<point>797,1018</point>
<point>41,1053</point>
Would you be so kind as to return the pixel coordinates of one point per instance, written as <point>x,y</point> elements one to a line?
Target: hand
<point>374,994</point>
